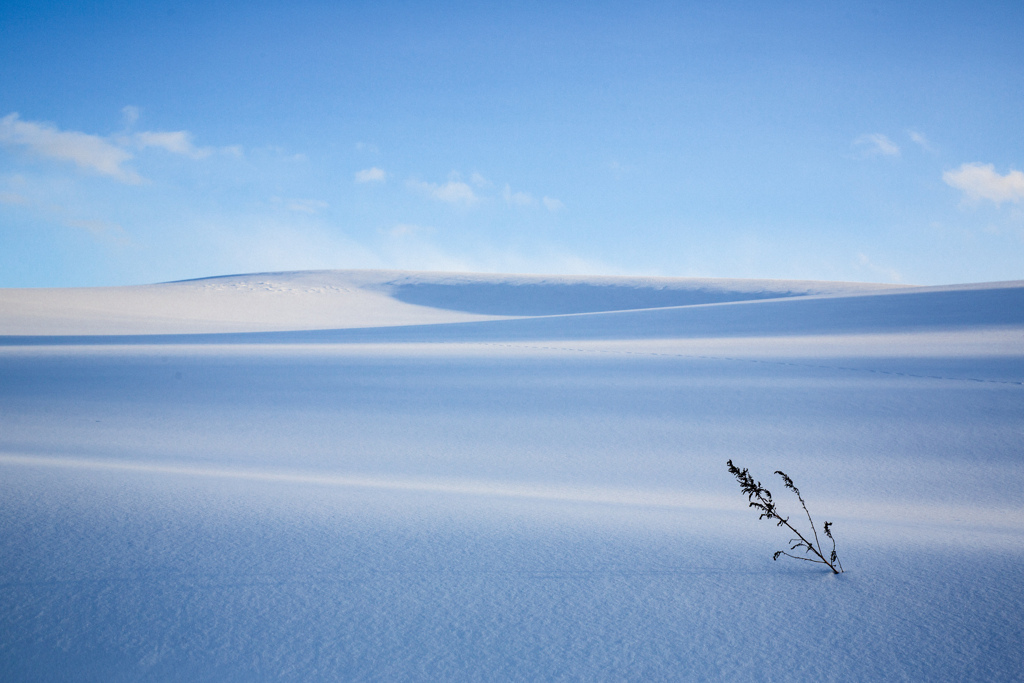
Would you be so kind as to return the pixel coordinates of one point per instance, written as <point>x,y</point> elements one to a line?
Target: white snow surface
<point>309,300</point>
<point>381,475</point>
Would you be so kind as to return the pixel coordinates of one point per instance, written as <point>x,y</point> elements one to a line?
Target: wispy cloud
<point>90,152</point>
<point>920,140</point>
<point>981,181</point>
<point>456,191</point>
<point>176,142</point>
<point>106,156</point>
<point>889,274</point>
<point>371,175</point>
<point>618,168</point>
<point>129,115</point>
<point>453,192</point>
<point>526,199</point>
<point>553,204</point>
<point>310,206</point>
<point>516,198</point>
<point>876,144</point>
<point>104,230</point>
<point>409,230</point>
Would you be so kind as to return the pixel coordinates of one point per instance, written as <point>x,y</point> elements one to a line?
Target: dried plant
<point>760,498</point>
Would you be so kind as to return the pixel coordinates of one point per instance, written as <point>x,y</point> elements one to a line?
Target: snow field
<point>520,499</point>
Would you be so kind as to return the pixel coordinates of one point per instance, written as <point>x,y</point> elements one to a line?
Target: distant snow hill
<point>352,305</point>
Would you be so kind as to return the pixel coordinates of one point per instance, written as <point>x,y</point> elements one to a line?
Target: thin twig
<point>805,559</point>
<point>789,483</point>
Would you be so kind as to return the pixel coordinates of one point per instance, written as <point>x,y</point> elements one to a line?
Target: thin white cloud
<point>129,115</point>
<point>516,198</point>
<point>553,204</point>
<point>106,230</point>
<point>921,140</point>
<point>310,206</point>
<point>86,151</point>
<point>876,144</point>
<point>981,181</point>
<point>102,230</point>
<point>176,142</point>
<point>409,230</point>
<point>618,168</point>
<point>889,274</point>
<point>479,180</point>
<point>371,175</point>
<point>106,156</point>
<point>452,192</point>
<point>455,192</point>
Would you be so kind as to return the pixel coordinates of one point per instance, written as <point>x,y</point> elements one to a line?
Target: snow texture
<point>368,475</point>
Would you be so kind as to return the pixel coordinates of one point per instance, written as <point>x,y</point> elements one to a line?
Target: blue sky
<point>145,142</point>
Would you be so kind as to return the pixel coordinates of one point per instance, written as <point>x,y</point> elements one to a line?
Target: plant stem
<point>801,536</point>
<point>816,541</point>
<point>813,549</point>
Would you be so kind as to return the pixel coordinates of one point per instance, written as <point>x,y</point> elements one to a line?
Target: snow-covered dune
<point>368,306</point>
<point>349,299</point>
<point>371,475</point>
<point>239,303</point>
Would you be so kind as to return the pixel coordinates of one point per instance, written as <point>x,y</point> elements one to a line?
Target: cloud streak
<point>371,175</point>
<point>176,142</point>
<point>97,154</point>
<point>310,206</point>
<point>516,198</point>
<point>876,144</point>
<point>453,192</point>
<point>553,204</point>
<point>921,140</point>
<point>409,230</point>
<point>981,181</point>
<point>89,152</point>
<point>890,274</point>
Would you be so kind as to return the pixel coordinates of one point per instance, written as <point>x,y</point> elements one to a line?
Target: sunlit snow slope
<point>349,299</point>
<point>370,475</point>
